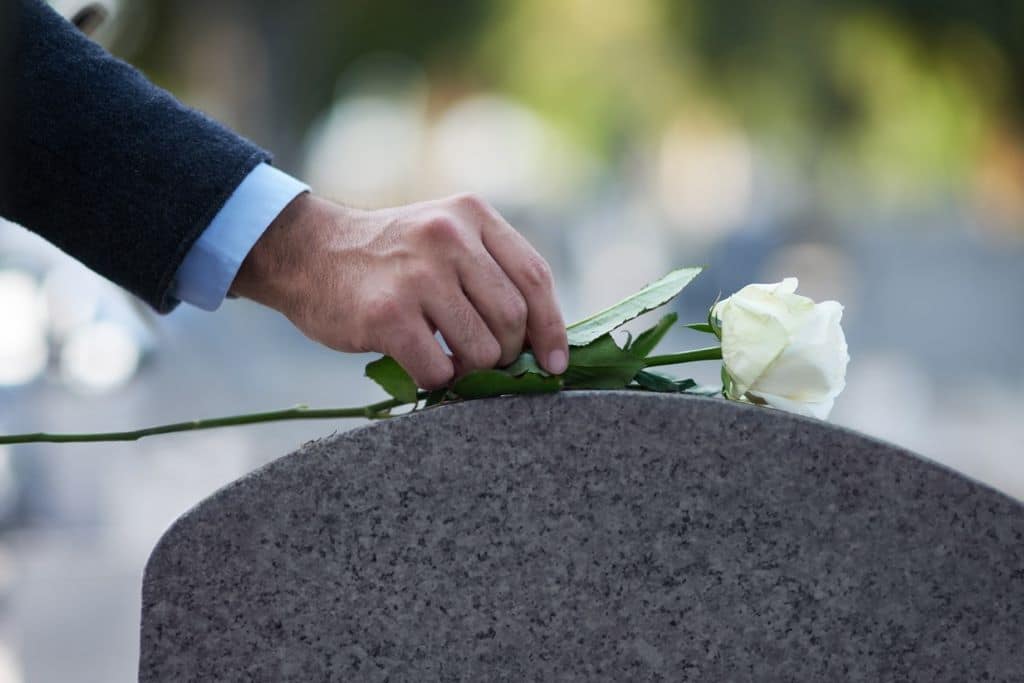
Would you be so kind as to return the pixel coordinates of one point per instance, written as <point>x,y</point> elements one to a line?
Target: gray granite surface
<point>591,536</point>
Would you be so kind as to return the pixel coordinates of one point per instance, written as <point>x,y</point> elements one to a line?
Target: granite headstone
<point>591,536</point>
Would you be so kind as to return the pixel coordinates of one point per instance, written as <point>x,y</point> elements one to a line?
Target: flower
<point>781,348</point>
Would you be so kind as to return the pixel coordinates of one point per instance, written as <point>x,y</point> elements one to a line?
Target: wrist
<point>268,273</point>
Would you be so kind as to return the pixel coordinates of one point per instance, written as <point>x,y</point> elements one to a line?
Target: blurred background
<point>874,149</point>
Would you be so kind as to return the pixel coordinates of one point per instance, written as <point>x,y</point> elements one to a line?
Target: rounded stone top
<point>591,536</point>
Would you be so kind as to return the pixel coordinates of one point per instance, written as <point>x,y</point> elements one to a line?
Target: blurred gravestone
<point>591,536</point>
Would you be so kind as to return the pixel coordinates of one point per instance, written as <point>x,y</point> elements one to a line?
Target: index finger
<point>531,275</point>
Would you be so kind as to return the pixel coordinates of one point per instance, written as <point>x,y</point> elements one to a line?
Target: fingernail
<point>557,362</point>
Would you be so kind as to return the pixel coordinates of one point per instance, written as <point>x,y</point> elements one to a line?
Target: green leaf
<point>654,381</point>
<point>526,362</point>
<point>684,385</point>
<point>647,340</point>
<point>650,297</point>
<point>393,378</point>
<point>701,327</point>
<point>601,364</point>
<point>486,383</point>
<point>703,390</point>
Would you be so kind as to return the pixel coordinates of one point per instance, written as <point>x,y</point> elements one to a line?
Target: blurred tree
<point>908,91</point>
<point>905,88</point>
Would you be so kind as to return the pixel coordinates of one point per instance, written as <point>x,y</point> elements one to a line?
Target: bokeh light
<point>500,149</point>
<point>73,296</point>
<point>99,357</point>
<point>705,178</point>
<point>368,150</point>
<point>23,345</point>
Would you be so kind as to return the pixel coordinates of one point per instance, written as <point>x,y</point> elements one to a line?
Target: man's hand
<point>386,280</point>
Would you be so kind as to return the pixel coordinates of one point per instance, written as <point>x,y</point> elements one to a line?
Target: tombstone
<point>591,536</point>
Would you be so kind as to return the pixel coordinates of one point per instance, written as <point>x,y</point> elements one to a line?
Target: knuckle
<point>442,228</point>
<point>514,313</point>
<point>401,343</point>
<point>382,310</point>
<point>472,202</point>
<point>537,273</point>
<point>487,353</point>
<point>429,370</point>
<point>434,375</point>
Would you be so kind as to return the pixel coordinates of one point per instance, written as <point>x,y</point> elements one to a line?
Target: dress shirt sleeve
<point>213,261</point>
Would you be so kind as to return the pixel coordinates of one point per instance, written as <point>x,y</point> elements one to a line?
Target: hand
<point>387,280</point>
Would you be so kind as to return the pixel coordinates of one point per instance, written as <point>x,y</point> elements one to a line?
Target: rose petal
<point>813,366</point>
<point>818,409</point>
<point>751,341</point>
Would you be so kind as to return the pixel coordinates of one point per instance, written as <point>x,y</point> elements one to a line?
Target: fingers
<point>497,301</point>
<point>473,344</point>
<point>414,347</point>
<point>532,277</point>
<point>454,266</point>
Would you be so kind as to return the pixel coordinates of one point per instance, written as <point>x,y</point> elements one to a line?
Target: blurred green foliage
<point>901,88</point>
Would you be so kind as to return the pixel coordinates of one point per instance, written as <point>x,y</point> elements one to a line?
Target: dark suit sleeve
<point>104,164</point>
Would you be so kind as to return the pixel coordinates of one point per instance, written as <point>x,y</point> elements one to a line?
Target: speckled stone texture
<point>591,536</point>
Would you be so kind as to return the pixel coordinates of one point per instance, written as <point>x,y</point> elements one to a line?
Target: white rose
<point>783,349</point>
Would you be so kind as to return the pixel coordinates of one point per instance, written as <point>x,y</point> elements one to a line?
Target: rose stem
<point>709,353</point>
